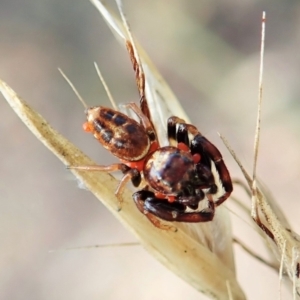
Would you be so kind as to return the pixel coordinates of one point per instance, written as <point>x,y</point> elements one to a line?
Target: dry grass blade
<point>176,250</point>
<point>287,243</point>
<point>216,235</point>
<point>162,101</point>
<point>276,231</point>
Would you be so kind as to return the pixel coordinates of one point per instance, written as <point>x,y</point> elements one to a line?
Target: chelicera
<point>177,177</point>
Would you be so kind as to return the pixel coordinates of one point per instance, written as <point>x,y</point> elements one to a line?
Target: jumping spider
<point>177,176</point>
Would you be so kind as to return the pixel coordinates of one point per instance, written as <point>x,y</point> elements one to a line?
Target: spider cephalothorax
<point>184,175</point>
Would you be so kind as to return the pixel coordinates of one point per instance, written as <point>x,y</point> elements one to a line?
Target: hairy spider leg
<point>129,174</point>
<point>175,211</point>
<point>179,130</point>
<point>145,121</point>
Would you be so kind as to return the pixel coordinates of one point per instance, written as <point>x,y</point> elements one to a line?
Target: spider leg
<point>139,77</point>
<point>172,132</point>
<point>205,148</point>
<point>175,211</point>
<point>129,174</point>
<point>143,118</point>
<point>178,131</point>
<point>139,200</point>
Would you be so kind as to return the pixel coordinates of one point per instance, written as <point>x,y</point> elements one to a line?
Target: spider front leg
<point>210,166</point>
<point>205,148</point>
<point>129,174</point>
<point>176,135</point>
<point>147,203</point>
<point>139,200</point>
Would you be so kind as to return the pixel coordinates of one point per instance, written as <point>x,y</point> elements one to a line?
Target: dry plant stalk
<point>284,243</point>
<point>207,266</point>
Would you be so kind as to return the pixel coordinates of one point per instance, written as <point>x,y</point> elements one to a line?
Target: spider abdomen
<point>122,136</point>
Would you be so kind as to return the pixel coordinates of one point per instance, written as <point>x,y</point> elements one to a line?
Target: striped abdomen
<point>121,135</point>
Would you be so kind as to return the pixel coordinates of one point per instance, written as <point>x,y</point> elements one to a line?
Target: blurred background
<point>208,51</point>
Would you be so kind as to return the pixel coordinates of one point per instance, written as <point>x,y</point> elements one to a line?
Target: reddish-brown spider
<point>177,177</point>
<point>184,175</point>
